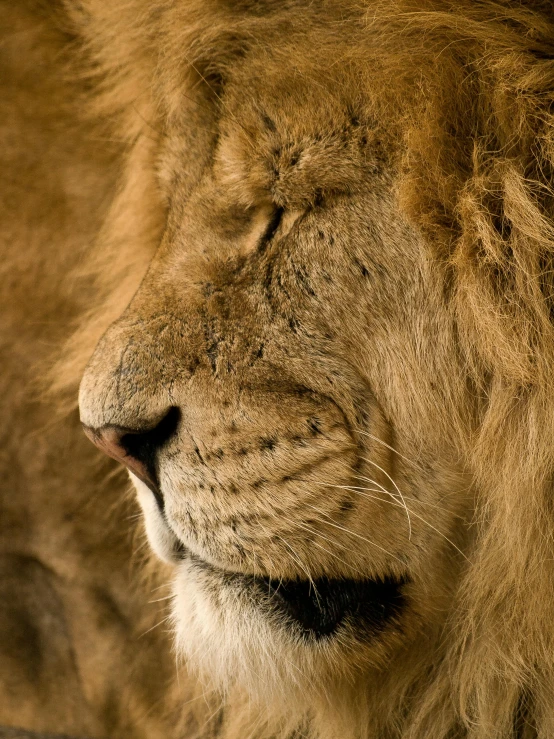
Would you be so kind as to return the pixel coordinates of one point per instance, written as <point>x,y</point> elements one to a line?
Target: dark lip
<point>317,609</point>
<point>321,607</point>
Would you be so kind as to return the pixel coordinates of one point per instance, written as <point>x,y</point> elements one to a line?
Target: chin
<point>281,639</point>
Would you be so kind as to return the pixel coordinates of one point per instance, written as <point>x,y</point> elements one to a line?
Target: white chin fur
<point>228,635</point>
<point>233,640</point>
<point>227,639</point>
<point>160,537</point>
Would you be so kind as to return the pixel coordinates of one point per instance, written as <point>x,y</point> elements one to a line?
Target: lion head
<point>336,359</point>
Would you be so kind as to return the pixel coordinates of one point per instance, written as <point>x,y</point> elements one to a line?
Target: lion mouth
<point>316,609</point>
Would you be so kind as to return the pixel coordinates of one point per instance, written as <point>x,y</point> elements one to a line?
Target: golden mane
<point>478,181</point>
<point>465,94</point>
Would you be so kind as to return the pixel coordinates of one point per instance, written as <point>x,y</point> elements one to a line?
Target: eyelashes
<point>272,226</point>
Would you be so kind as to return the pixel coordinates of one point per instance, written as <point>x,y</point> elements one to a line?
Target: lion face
<point>282,388</point>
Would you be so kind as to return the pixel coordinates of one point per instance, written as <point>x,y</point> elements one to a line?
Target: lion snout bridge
<point>151,399</point>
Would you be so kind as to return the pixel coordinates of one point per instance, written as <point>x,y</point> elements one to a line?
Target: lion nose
<point>137,448</point>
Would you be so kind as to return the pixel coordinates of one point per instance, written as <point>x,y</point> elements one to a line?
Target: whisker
<point>164,620</point>
<point>399,493</point>
<point>407,497</point>
<point>159,587</point>
<point>388,492</point>
<point>302,565</point>
<point>314,532</point>
<point>394,502</point>
<point>388,446</point>
<point>160,600</point>
<point>328,522</point>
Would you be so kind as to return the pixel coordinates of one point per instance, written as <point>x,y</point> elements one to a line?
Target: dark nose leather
<point>137,448</point>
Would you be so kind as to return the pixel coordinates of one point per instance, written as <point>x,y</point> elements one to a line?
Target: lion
<point>296,261</point>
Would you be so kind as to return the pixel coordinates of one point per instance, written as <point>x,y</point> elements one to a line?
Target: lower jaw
<point>318,608</point>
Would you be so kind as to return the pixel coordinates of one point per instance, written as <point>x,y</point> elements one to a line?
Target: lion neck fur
<point>475,182</point>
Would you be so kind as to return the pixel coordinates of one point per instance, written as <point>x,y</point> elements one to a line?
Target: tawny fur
<point>410,145</point>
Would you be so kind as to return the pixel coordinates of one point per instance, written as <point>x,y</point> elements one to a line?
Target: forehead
<point>291,123</point>
<point>292,138</point>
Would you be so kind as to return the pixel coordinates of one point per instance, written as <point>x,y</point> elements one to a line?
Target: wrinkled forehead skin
<point>295,323</point>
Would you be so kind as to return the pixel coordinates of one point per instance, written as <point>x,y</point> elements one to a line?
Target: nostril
<point>145,445</point>
<point>137,449</point>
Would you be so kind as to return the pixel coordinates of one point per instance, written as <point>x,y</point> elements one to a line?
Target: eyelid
<point>272,226</point>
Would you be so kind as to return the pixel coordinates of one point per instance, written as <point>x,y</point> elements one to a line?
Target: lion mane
<point>455,101</point>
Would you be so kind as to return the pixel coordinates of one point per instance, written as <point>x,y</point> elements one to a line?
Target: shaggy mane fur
<point>465,98</point>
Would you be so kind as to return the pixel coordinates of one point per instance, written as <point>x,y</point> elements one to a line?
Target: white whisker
<point>416,515</point>
<point>314,532</point>
<point>164,620</point>
<point>301,564</point>
<point>329,522</point>
<point>388,446</point>
<point>398,491</point>
<point>160,600</point>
